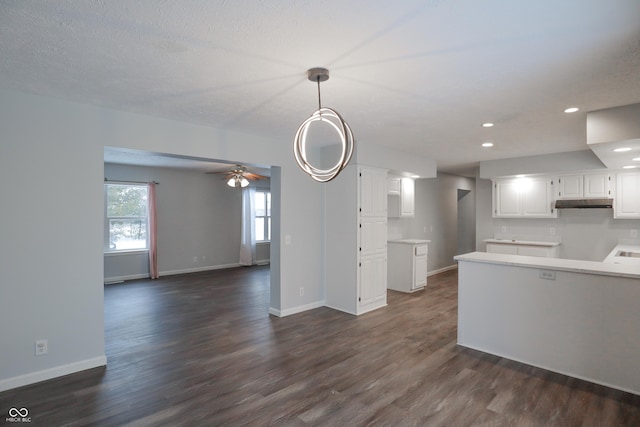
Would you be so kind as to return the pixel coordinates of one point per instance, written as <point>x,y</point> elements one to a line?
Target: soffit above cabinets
<point>615,129</point>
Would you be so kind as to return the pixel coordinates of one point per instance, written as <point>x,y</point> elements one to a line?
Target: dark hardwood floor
<point>201,350</point>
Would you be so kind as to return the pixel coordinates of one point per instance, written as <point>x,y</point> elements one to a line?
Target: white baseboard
<point>47,374</point>
<point>119,279</point>
<point>442,270</point>
<point>198,269</point>
<point>295,310</point>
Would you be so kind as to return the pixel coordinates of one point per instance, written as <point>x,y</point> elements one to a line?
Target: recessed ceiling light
<point>622,149</point>
<point>629,167</point>
<point>637,159</point>
<point>415,176</point>
<point>487,125</point>
<point>571,110</point>
<point>487,144</point>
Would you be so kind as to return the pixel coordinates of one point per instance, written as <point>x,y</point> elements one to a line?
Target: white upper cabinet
<point>531,197</point>
<point>506,199</point>
<point>393,185</point>
<point>401,200</point>
<point>591,186</point>
<point>627,200</point>
<point>373,190</point>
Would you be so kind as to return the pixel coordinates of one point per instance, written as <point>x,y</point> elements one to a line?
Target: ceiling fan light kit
<point>238,181</point>
<point>332,118</point>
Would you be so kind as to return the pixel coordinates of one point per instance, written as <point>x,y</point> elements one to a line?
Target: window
<point>262,205</point>
<point>126,217</point>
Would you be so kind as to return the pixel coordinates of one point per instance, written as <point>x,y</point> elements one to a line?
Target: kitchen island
<point>578,318</point>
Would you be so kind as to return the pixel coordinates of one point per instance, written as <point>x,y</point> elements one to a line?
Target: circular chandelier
<point>335,120</point>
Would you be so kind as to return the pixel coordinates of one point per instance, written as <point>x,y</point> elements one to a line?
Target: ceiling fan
<point>239,177</point>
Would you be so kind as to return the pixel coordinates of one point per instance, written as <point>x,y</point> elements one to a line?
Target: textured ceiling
<point>420,76</point>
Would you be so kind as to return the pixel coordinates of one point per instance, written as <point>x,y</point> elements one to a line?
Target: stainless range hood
<point>584,204</point>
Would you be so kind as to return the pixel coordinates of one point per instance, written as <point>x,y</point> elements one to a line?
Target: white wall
<point>57,293</point>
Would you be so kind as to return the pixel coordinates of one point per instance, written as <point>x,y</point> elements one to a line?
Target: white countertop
<point>559,264</point>
<point>521,242</point>
<point>612,258</point>
<point>410,241</point>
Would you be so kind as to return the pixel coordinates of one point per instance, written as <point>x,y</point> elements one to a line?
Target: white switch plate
<point>287,239</point>
<point>552,231</point>
<point>504,229</point>
<point>634,233</point>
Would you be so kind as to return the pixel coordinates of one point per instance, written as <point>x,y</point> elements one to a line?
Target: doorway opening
<point>466,235</point>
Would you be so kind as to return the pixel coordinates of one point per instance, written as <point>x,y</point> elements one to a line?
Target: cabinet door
<point>419,272</point>
<point>407,198</point>
<point>497,248</point>
<point>373,192</point>
<point>541,251</point>
<point>393,185</point>
<point>537,198</point>
<point>627,199</point>
<point>570,187</point>
<point>373,235</point>
<point>506,199</point>
<point>597,186</point>
<point>373,279</point>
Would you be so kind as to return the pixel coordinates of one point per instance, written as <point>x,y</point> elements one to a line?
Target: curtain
<point>248,236</point>
<point>153,244</point>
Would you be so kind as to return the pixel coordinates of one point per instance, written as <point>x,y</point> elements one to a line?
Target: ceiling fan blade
<point>254,176</point>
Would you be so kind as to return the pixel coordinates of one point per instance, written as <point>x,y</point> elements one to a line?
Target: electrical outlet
<point>301,291</point>
<point>552,231</point>
<point>504,229</point>
<point>287,239</point>
<point>195,259</point>
<point>547,275</point>
<point>42,347</point>
<point>634,233</point>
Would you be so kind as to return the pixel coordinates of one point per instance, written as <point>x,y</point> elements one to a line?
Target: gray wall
<point>59,295</point>
<point>436,218</point>
<point>198,216</point>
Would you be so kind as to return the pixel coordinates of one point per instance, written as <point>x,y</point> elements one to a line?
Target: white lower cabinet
<point>531,249</point>
<point>372,282</point>
<point>407,266</point>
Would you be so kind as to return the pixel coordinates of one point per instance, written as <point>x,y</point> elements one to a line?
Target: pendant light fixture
<point>332,118</point>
